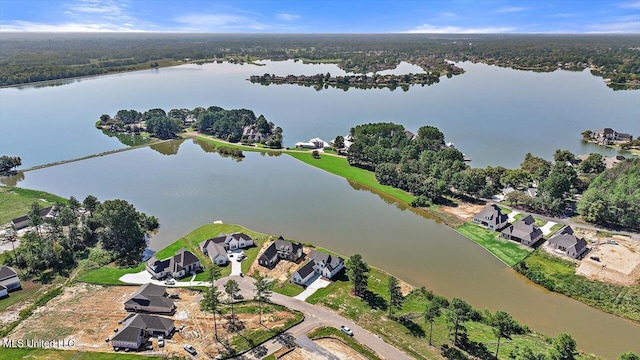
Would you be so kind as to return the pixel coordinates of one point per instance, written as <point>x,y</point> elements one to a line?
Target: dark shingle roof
<point>177,262</point>
<point>306,269</point>
<point>7,272</point>
<point>492,215</point>
<point>150,290</point>
<point>269,252</point>
<point>330,261</point>
<point>43,213</point>
<point>128,334</point>
<point>2,287</point>
<point>150,322</point>
<point>566,239</point>
<point>524,229</point>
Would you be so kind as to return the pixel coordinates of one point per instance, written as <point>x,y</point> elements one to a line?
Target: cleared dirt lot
<point>283,270</point>
<point>88,314</point>
<point>464,211</point>
<point>619,259</point>
<point>335,347</point>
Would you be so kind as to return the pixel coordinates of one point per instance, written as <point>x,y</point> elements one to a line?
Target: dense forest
<point>236,125</point>
<point>26,58</point>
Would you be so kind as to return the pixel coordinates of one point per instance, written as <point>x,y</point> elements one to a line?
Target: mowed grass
<point>509,252</point>
<point>110,275</point>
<point>340,166</point>
<point>48,354</point>
<point>412,334</point>
<point>16,202</point>
<point>539,222</point>
<point>29,291</point>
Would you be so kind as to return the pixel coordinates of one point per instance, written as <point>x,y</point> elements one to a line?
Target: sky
<point>322,16</point>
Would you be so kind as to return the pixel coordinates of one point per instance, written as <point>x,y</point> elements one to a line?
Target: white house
<point>304,274</point>
<point>183,263</point>
<point>3,291</point>
<point>324,264</point>
<point>215,251</point>
<point>315,143</point>
<point>9,279</point>
<point>231,242</point>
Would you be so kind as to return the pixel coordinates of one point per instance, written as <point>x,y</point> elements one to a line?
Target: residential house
<point>3,291</point>
<point>183,263</point>
<point>315,143</point>
<point>231,242</point>
<point>24,221</point>
<point>624,137</point>
<point>130,337</point>
<point>568,243</point>
<point>491,217</point>
<point>606,134</point>
<point>150,298</point>
<point>280,249</point>
<point>324,264</point>
<point>253,135</point>
<point>215,251</point>
<point>524,231</point>
<point>9,279</point>
<point>304,274</point>
<point>154,325</point>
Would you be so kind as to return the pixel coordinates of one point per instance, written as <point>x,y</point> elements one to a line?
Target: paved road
<point>316,316</point>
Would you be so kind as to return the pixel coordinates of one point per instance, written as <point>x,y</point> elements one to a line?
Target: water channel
<point>186,185</point>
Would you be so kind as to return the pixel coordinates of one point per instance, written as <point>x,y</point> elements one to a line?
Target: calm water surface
<point>280,195</point>
<point>493,115</point>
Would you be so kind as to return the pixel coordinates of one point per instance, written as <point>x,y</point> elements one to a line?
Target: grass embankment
<point>539,222</point>
<point>509,252</point>
<point>330,332</point>
<point>29,290</point>
<point>111,275</point>
<point>16,202</point>
<point>49,354</point>
<point>411,334</point>
<point>559,275</point>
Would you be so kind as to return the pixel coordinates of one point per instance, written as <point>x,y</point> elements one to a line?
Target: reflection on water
<point>128,139</point>
<point>167,147</point>
<point>12,180</point>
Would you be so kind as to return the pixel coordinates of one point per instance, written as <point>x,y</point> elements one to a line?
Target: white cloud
<point>631,5</point>
<point>219,22</point>
<point>511,9</point>
<point>27,26</point>
<point>432,29</point>
<point>287,17</point>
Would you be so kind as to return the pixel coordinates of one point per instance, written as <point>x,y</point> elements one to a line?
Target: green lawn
<point>110,275</point>
<point>29,290</point>
<point>16,202</point>
<point>555,228</point>
<point>289,289</point>
<point>509,252</point>
<point>47,354</point>
<point>539,222</point>
<point>340,166</point>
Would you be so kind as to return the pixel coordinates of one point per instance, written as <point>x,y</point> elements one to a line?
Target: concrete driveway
<point>317,282</point>
<point>546,228</point>
<point>511,216</point>
<point>236,266</point>
<point>144,277</point>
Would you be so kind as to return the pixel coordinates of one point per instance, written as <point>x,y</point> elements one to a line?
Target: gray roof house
<point>524,231</point>
<point>568,243</point>
<point>150,298</point>
<point>154,325</point>
<point>183,263</point>
<point>491,217</point>
<point>9,279</point>
<point>280,249</point>
<point>324,264</point>
<point>24,221</point>
<point>130,337</point>
<point>215,251</point>
<point>304,274</point>
<point>232,241</point>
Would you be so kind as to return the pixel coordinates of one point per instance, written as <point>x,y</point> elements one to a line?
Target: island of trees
<point>28,58</point>
<point>324,81</point>
<point>8,164</point>
<point>237,125</point>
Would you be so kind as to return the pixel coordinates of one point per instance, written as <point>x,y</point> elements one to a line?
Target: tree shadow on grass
<point>375,301</point>
<point>414,329</point>
<point>476,349</point>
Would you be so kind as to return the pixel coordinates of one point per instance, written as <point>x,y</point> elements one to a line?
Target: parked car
<point>160,341</point>
<point>174,296</point>
<point>170,282</point>
<point>238,297</point>
<point>188,348</point>
<point>346,330</point>
<point>241,274</point>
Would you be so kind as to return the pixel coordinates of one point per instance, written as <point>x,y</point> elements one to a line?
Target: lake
<point>494,115</point>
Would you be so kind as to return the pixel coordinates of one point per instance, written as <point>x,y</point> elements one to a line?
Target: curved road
<point>315,316</point>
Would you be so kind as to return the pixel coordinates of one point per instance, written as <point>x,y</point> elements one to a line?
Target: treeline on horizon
<point>26,58</point>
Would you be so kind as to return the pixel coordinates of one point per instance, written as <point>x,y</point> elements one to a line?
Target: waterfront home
<point>608,135</point>
<point>566,242</point>
<point>233,241</point>
<point>315,143</point>
<point>9,279</point>
<point>24,221</point>
<point>323,264</point>
<point>153,325</point>
<point>524,231</point>
<point>252,135</point>
<point>183,263</point>
<point>491,217</point>
<point>3,292</point>
<point>215,251</point>
<point>280,249</point>
<point>150,298</point>
<point>130,337</point>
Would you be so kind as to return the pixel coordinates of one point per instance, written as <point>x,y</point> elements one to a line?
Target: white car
<point>346,330</point>
<point>160,341</point>
<point>188,348</point>
<point>170,282</point>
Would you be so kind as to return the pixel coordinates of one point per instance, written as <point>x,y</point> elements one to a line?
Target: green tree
<point>211,301</point>
<point>263,291</point>
<point>515,178</point>
<point>532,163</point>
<point>338,143</point>
<point>564,156</point>
<point>524,352</point>
<point>74,204</point>
<point>433,310</point>
<point>586,135</point>
<point>7,163</point>
<point>104,118</point>
<point>232,289</point>
<point>262,125</point>
<point>503,327</point>
<point>629,356</point>
<point>395,295</point>
<point>459,312</point>
<point>35,216</point>
<point>564,347</point>
<point>593,164</point>
<point>122,232</point>
<point>358,272</point>
<point>90,203</point>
